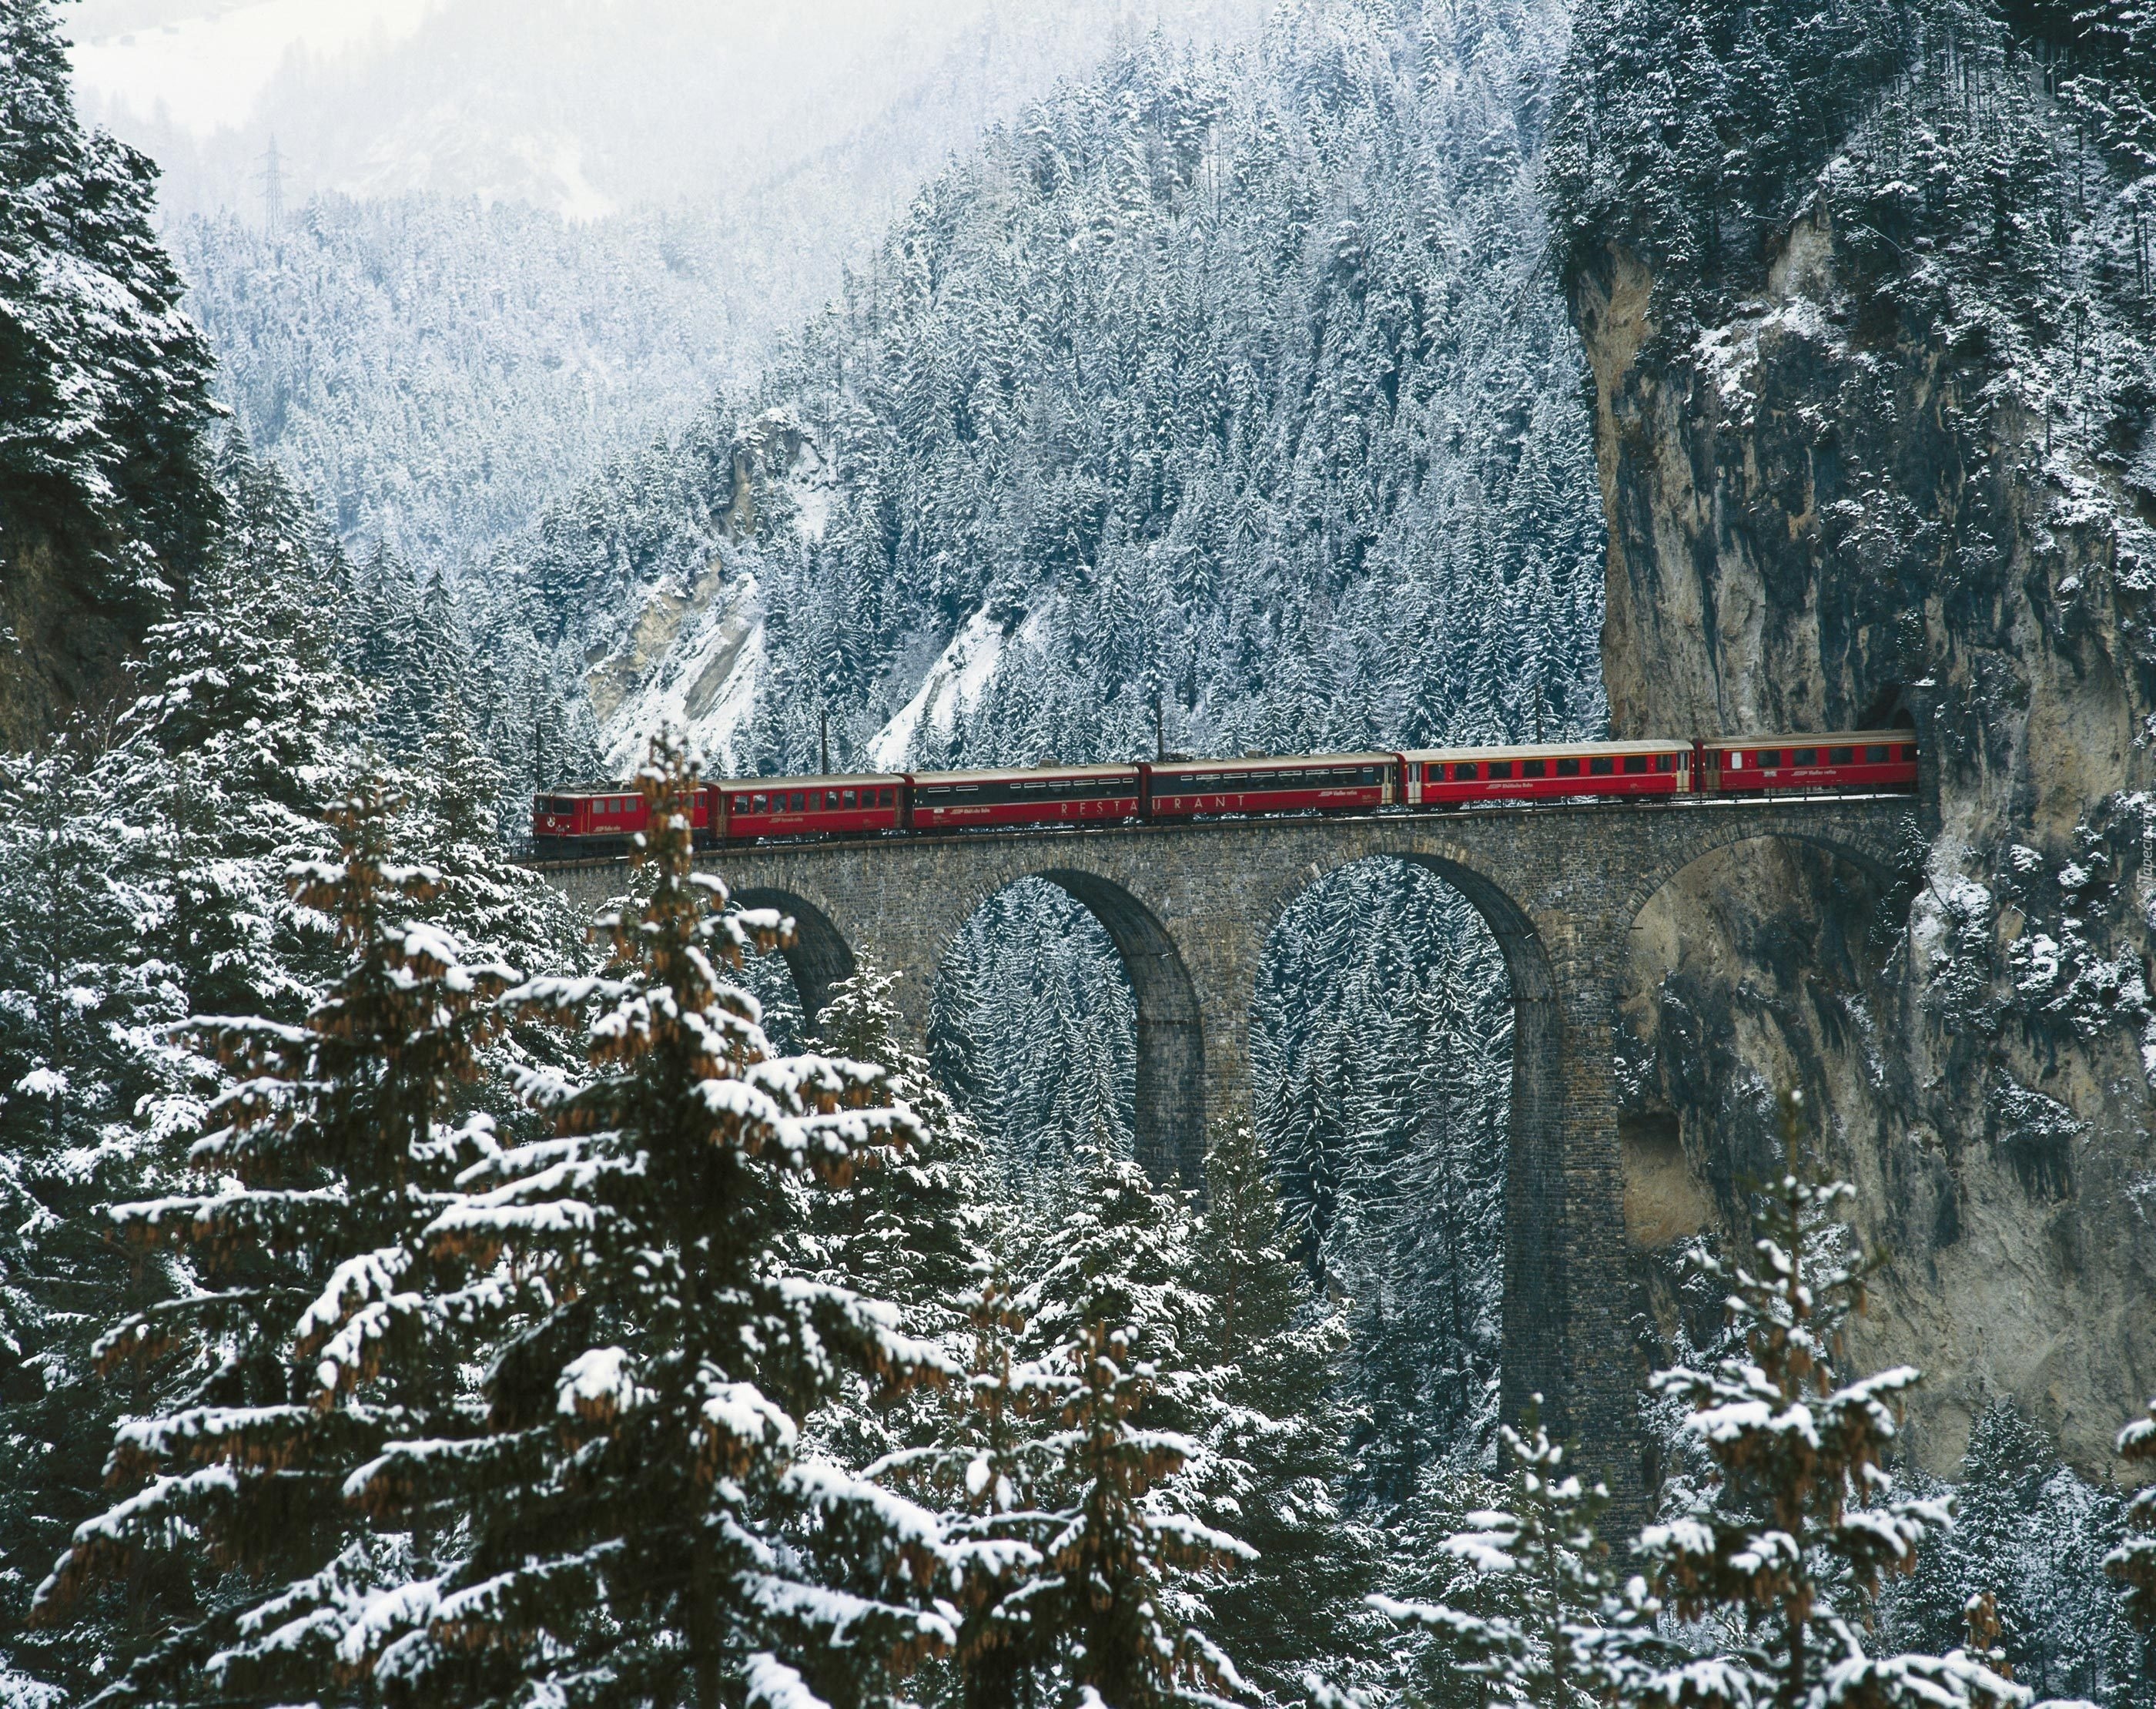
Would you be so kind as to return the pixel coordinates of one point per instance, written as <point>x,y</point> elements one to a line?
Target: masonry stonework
<point>1190,908</point>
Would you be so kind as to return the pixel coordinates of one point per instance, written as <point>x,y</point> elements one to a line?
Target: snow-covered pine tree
<point>84,997</point>
<point>1553,1627</point>
<point>990,1471</point>
<point>2027,1531</point>
<point>327,1160</point>
<point>105,384</point>
<point>248,713</point>
<point>1422,1670</point>
<point>1105,1598</point>
<point>641,1527</point>
<point>2134,1562</point>
<point>1271,1429</point>
<point>495,907</point>
<point>909,1223</point>
<point>1791,1550</point>
<point>1116,1599</point>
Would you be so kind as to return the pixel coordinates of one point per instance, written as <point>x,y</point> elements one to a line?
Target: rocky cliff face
<point>1831,510</point>
<point>61,649</point>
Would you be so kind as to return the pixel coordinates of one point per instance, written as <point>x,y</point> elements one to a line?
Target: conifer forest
<point>419,1290</point>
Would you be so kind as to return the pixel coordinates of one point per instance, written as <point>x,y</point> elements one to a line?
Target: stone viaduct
<point>1190,908</point>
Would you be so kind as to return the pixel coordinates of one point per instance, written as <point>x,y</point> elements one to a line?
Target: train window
<point>1663,762</point>
<point>850,799</point>
<point>1634,764</point>
<point>796,800</point>
<point>1841,756</point>
<point>1568,768</point>
<point>883,798</point>
<point>1465,772</point>
<point>1534,768</point>
<point>1501,768</point>
<point>1909,750</point>
<point>1368,773</point>
<point>1804,756</point>
<point>1603,767</point>
<point>1878,754</point>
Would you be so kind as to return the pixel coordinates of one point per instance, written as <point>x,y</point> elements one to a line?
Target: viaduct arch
<point>1190,907</point>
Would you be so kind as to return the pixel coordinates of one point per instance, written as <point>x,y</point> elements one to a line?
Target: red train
<point>600,819</point>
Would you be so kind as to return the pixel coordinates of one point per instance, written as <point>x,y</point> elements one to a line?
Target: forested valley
<point>414,1293</point>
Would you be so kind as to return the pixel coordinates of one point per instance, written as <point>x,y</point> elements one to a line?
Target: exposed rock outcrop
<point>1831,511</point>
<point>62,649</point>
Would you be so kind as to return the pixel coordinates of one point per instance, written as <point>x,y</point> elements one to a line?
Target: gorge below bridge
<point>1190,907</point>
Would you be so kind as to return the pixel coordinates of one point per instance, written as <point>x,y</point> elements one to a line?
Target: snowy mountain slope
<point>954,685</point>
<point>1208,380</point>
<point>483,286</point>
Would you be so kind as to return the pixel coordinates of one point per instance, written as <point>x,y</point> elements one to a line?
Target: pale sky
<point>209,65</point>
<point>584,106</point>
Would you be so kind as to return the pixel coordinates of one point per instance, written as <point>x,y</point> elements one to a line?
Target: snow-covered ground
<point>704,683</point>
<point>953,687</point>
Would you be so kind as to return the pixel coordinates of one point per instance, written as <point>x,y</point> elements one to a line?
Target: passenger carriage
<point>1438,777</point>
<point>1319,783</point>
<point>1047,795</point>
<point>1847,760</point>
<point>756,808</point>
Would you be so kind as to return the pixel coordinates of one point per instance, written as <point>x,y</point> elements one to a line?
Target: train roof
<point>1008,774</point>
<point>840,779</point>
<point>1815,738</point>
<point>1544,750</point>
<point>1272,762</point>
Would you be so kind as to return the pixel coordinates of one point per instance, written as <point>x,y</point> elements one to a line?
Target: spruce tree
<point>2132,1563</point>
<point>907,1225</point>
<point>315,1333</point>
<point>1115,1601</point>
<point>640,1526</point>
<point>1804,1524</point>
<point>1272,1429</point>
<point>1554,1627</point>
<point>990,1472</point>
<point>105,384</point>
<point>84,1002</point>
<point>247,715</point>
<point>1106,1595</point>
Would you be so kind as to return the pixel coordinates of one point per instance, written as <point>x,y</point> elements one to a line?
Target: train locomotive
<point>599,820</point>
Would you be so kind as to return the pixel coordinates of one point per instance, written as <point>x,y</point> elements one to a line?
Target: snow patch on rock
<point>702,681</point>
<point>954,685</point>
